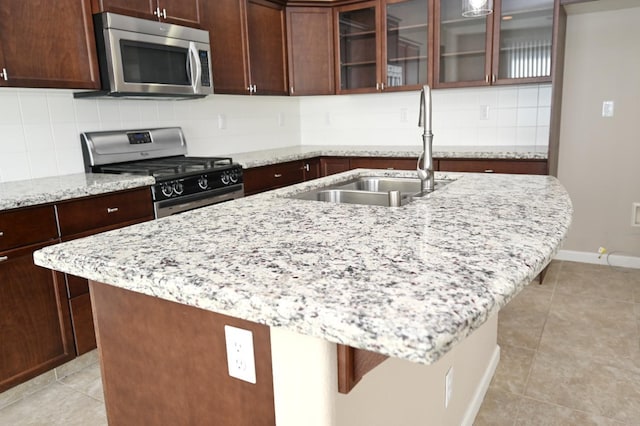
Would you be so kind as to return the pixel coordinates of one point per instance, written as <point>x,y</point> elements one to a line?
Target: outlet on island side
<point>240,357</point>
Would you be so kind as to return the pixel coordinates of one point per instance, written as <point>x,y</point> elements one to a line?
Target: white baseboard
<point>481,390</point>
<point>612,259</point>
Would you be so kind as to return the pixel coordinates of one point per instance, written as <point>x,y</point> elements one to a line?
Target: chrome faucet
<point>426,172</point>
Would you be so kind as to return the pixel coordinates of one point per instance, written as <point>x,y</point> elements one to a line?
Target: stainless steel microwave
<point>150,59</point>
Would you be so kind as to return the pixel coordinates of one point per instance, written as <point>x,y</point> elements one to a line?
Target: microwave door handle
<point>195,66</point>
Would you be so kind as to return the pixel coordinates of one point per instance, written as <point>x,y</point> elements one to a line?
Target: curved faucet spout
<point>425,171</point>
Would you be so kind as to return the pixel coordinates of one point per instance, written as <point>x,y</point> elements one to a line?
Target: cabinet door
<point>267,48</point>
<point>522,44</point>
<point>310,48</point>
<point>34,318</point>
<point>48,46</point>
<point>462,46</point>
<point>358,48</point>
<point>227,26</point>
<point>333,165</point>
<point>137,8</point>
<point>311,169</point>
<point>406,44</point>
<point>182,12</point>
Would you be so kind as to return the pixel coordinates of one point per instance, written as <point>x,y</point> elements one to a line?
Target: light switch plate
<point>240,357</point>
<point>607,108</point>
<point>635,214</point>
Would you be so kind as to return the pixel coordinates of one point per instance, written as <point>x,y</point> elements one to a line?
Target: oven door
<point>139,63</point>
<point>189,202</point>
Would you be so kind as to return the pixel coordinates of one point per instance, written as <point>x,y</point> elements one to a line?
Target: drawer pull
<point>277,175</point>
<point>112,209</point>
<point>1,234</point>
<point>3,258</point>
<point>489,171</point>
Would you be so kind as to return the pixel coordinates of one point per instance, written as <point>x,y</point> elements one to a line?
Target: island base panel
<point>165,363</point>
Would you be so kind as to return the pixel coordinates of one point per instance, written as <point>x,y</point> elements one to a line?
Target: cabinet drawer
<point>384,163</point>
<point>27,226</point>
<point>82,322</point>
<point>530,167</point>
<point>258,179</point>
<point>333,165</point>
<point>105,211</point>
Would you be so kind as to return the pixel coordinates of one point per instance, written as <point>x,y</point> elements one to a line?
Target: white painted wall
<point>599,157</point>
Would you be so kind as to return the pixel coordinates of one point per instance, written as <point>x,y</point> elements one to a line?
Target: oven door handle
<point>195,67</point>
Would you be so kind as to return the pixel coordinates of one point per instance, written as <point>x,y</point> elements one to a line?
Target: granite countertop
<point>280,155</point>
<point>24,193</point>
<point>408,282</point>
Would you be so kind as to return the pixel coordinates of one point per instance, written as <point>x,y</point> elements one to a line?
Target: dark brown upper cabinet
<point>310,50</point>
<point>247,45</point>
<point>383,45</point>
<point>48,46</point>
<point>181,12</point>
<point>511,46</point>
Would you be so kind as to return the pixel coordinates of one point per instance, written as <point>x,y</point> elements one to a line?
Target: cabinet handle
<point>160,14</point>
<point>3,258</point>
<point>255,88</point>
<point>486,78</point>
<point>377,86</point>
<point>493,78</point>
<point>291,90</point>
<point>4,74</point>
<point>306,169</point>
<point>1,234</point>
<point>112,209</point>
<point>381,86</point>
<point>488,171</point>
<point>277,175</point>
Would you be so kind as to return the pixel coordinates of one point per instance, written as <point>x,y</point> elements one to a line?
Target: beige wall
<point>599,160</point>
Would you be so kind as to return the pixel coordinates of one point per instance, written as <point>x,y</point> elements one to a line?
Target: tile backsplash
<point>39,129</point>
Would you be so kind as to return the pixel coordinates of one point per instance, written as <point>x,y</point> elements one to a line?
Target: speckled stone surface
<point>408,282</point>
<point>280,155</point>
<point>24,193</point>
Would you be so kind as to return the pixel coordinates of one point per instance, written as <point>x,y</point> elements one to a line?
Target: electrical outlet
<point>484,112</point>
<point>240,358</point>
<point>635,214</point>
<point>448,387</point>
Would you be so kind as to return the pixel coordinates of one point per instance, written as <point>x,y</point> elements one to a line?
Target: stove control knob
<point>225,178</point>
<point>234,176</point>
<point>203,182</point>
<point>167,190</point>
<point>178,188</point>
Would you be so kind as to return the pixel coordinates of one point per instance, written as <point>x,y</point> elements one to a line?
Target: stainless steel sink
<point>386,184</point>
<point>346,196</point>
<point>372,191</point>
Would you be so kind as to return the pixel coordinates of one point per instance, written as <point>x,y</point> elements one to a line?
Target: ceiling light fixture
<point>475,8</point>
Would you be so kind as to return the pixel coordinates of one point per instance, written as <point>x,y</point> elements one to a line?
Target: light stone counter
<point>408,282</point>
<point>280,155</point>
<point>24,193</point>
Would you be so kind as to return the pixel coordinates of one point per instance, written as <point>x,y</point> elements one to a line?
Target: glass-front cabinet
<point>513,43</point>
<point>382,45</point>
<point>523,49</point>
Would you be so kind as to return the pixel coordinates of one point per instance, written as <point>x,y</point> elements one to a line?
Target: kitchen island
<point>414,283</point>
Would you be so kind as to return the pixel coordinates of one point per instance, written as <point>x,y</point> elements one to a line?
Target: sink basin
<point>371,191</point>
<point>346,196</point>
<point>386,184</point>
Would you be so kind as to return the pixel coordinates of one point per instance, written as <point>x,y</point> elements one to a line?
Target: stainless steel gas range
<point>182,183</point>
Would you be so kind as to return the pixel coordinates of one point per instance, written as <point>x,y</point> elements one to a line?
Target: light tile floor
<point>570,356</point>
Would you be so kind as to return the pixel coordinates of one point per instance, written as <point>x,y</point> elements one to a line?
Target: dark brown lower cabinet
<point>529,167</point>
<point>400,163</point>
<point>35,330</point>
<point>333,165</point>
